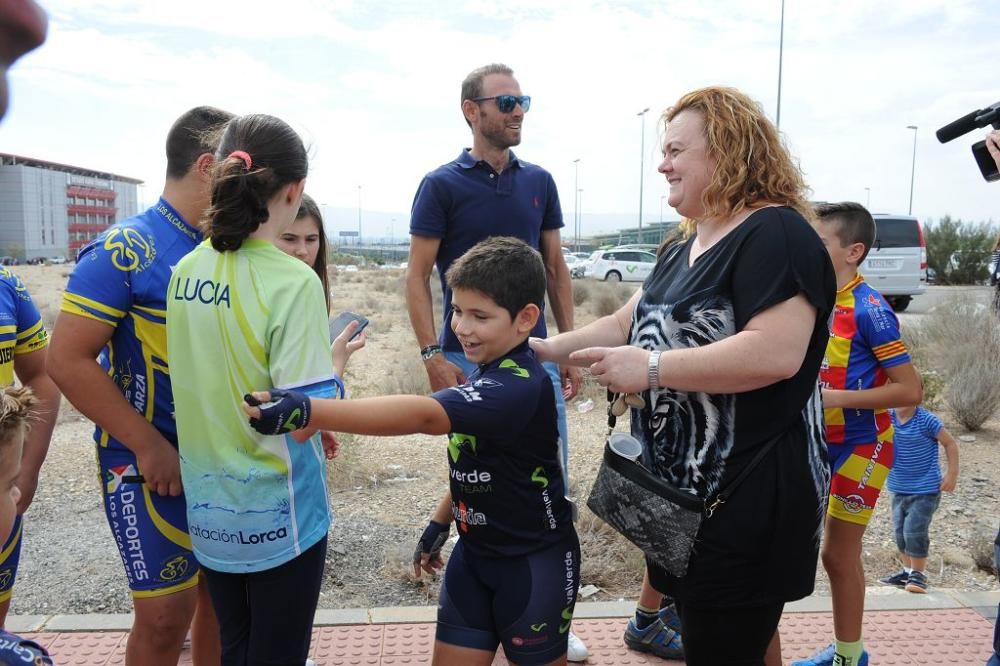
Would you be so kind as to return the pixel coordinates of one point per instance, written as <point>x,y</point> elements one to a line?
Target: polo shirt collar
<point>467,161</point>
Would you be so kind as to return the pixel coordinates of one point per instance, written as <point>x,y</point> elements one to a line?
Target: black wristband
<point>429,351</point>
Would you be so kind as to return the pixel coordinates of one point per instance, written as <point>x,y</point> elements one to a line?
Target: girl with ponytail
<point>240,312</point>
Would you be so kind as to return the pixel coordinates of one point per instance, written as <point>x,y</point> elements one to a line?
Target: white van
<point>896,266</point>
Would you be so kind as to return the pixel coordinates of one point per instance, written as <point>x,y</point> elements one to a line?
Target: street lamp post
<point>913,165</point>
<point>359,215</point>
<point>576,187</point>
<point>642,165</point>
<point>781,53</point>
<point>663,197</point>
<point>868,198</point>
<point>579,199</point>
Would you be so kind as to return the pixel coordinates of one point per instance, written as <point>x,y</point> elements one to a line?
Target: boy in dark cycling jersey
<point>513,575</point>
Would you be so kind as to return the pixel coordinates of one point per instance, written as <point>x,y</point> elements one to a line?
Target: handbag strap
<point>723,495</point>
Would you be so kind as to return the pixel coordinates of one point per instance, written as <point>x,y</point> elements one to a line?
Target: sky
<point>373,88</point>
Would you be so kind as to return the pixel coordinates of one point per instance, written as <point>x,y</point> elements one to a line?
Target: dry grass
<point>917,344</point>
<point>973,394</point>
<point>962,342</point>
<point>385,285</point>
<point>409,376</point>
<point>608,559</point>
<point>354,467</point>
<point>608,297</point>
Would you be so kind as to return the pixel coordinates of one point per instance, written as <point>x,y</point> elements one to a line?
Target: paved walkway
<point>942,627</point>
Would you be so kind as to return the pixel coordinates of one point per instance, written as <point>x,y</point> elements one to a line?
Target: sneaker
<point>657,638</point>
<point>575,649</point>
<point>668,615</point>
<point>825,658</point>
<point>917,582</point>
<point>897,579</point>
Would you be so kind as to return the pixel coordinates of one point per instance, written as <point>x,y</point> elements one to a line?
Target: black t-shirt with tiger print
<point>761,546</point>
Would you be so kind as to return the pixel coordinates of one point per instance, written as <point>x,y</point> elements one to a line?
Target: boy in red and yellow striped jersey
<point>866,371</point>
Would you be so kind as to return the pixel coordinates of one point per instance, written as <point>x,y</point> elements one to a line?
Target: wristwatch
<point>429,351</point>
<point>654,369</point>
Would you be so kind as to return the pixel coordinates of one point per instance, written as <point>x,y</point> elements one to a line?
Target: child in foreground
<point>513,575</point>
<point>15,412</point>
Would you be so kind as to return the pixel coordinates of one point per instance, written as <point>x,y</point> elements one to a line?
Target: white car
<point>619,265</point>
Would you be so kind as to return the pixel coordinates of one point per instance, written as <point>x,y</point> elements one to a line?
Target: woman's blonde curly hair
<point>754,166</point>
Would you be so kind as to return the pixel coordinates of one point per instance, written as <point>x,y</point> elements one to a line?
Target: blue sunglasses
<point>506,103</point>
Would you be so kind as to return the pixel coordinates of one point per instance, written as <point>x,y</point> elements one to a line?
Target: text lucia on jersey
<point>202,291</point>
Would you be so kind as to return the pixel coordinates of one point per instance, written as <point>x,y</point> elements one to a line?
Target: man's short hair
<point>472,86</point>
<point>191,136</point>
<point>503,268</point>
<point>853,223</point>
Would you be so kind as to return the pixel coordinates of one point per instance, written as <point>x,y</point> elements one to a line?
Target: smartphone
<point>340,322</point>
<point>987,166</point>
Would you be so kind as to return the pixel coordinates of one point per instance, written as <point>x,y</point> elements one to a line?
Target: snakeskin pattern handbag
<point>662,520</point>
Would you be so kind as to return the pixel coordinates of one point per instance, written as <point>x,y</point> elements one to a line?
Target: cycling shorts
<point>858,473</point>
<point>525,602</point>
<point>151,531</point>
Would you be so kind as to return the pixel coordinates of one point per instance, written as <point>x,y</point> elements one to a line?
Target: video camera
<point>981,118</point>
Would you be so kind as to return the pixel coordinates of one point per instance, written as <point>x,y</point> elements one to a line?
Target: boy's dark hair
<point>308,208</point>
<point>854,224</point>
<point>503,268</point>
<point>472,86</point>
<point>242,185</point>
<point>191,136</point>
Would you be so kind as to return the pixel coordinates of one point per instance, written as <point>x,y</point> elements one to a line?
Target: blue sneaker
<point>897,579</point>
<point>825,657</point>
<point>657,639</point>
<point>668,615</point>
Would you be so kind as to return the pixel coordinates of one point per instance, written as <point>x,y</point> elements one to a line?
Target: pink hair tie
<point>243,155</point>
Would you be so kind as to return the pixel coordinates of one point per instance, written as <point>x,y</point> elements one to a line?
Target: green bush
<point>959,251</point>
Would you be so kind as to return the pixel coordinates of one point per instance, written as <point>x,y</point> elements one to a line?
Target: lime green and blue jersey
<point>121,280</point>
<point>241,321</point>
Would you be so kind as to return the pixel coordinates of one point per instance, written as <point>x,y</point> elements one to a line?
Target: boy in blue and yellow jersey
<point>866,371</point>
<point>23,343</point>
<point>513,575</point>
<point>114,311</point>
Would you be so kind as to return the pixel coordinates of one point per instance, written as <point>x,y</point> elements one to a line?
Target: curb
<point>876,599</point>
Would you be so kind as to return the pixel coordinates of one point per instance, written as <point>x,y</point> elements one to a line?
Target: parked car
<point>897,264</point>
<point>58,259</point>
<point>8,261</point>
<point>618,265</point>
<point>35,261</point>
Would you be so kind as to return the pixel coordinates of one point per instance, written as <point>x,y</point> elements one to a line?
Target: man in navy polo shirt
<point>487,191</point>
